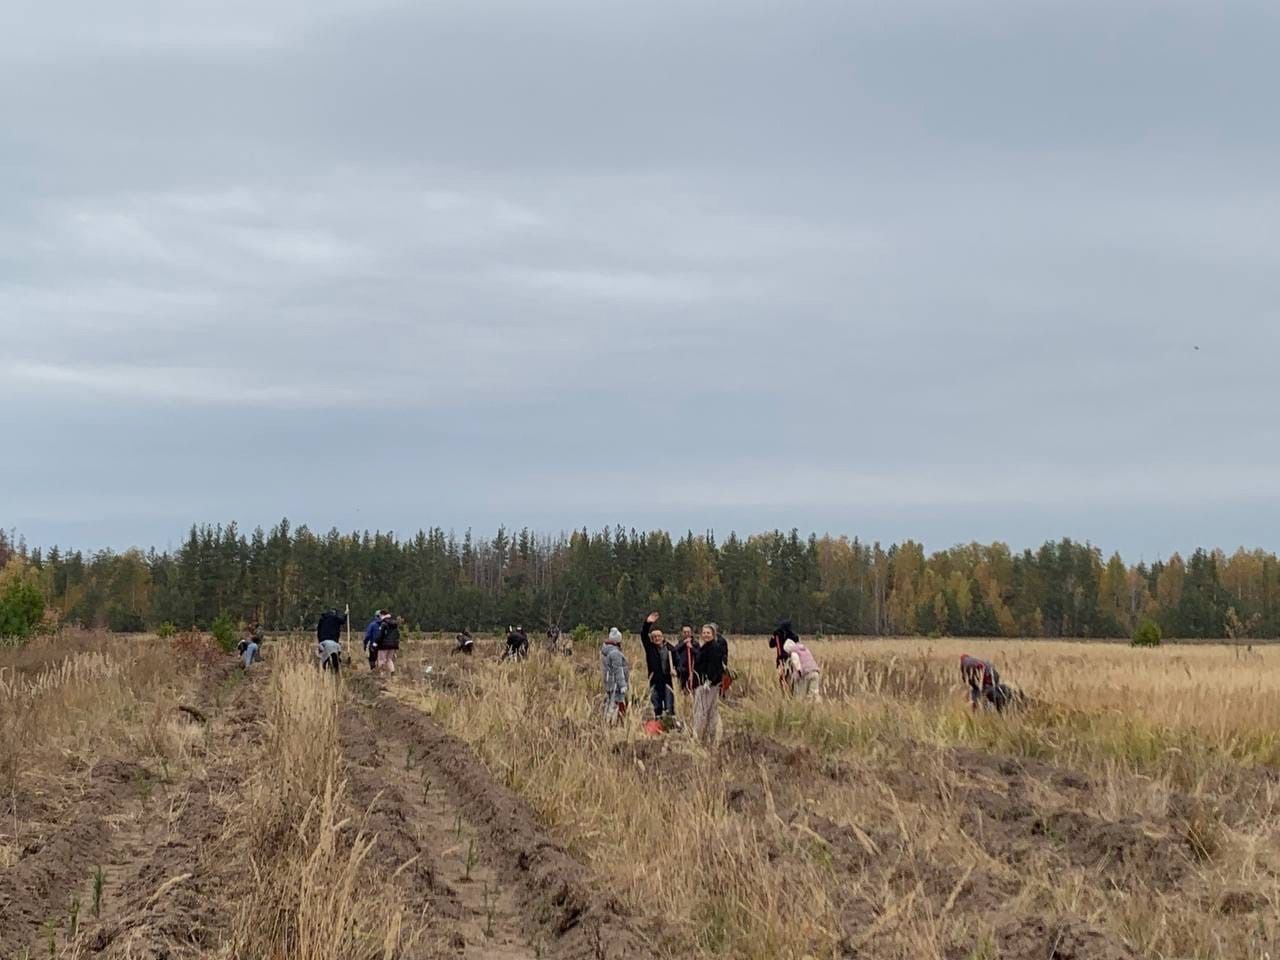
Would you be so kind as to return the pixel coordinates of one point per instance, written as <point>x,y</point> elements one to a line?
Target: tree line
<point>283,577</point>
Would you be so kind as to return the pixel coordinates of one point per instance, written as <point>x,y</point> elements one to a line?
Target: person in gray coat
<point>616,675</point>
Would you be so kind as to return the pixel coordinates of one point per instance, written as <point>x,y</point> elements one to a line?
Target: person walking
<point>712,666</point>
<point>657,658</point>
<point>616,677</point>
<point>371,638</point>
<point>805,674</point>
<point>683,658</point>
<point>389,643</point>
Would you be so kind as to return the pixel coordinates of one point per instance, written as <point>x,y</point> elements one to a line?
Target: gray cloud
<point>923,269</point>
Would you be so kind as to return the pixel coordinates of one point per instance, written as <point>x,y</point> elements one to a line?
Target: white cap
<point>615,635</point>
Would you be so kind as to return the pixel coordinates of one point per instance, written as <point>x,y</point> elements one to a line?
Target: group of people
<point>798,672</point>
<point>698,667</point>
<point>382,641</point>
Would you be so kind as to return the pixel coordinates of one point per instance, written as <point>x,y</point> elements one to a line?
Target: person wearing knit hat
<point>616,676</point>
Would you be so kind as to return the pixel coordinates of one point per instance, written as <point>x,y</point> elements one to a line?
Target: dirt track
<point>523,895</point>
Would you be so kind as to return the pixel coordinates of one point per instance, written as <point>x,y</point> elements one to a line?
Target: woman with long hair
<point>711,666</point>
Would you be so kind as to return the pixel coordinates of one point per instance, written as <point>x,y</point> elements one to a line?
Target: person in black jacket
<point>712,665</point>
<point>388,643</point>
<point>657,657</point>
<point>781,634</point>
<point>330,626</point>
<point>517,644</point>
<point>684,656</point>
<point>329,639</point>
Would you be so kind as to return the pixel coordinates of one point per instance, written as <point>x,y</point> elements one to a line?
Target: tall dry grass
<point>707,870</point>
<point>1176,743</point>
<point>71,701</point>
<point>311,894</point>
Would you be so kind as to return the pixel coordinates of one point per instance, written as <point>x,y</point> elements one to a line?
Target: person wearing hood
<point>712,666</point>
<point>616,677</point>
<point>388,643</point>
<point>803,668</point>
<point>657,658</point>
<point>371,638</point>
<point>984,683</point>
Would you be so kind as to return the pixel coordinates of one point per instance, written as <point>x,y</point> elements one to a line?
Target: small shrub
<point>1147,634</point>
<point>166,630</point>
<point>21,608</point>
<point>224,631</point>
<point>120,620</point>
<point>580,634</point>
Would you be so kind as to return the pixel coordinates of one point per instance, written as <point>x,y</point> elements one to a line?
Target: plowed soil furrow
<point>148,837</point>
<point>546,904</point>
<point>433,852</point>
<point>171,895</point>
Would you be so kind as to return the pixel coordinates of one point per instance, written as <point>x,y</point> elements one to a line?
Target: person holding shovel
<point>657,658</point>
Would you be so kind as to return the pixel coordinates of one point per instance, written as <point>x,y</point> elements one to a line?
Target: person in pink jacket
<point>804,670</point>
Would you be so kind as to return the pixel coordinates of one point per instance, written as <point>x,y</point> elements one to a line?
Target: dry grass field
<point>156,802</point>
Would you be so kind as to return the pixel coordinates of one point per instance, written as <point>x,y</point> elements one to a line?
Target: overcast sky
<point>923,269</point>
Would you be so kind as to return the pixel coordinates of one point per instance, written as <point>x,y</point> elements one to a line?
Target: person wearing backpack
<point>712,666</point>
<point>616,676</point>
<point>806,676</point>
<point>388,643</point>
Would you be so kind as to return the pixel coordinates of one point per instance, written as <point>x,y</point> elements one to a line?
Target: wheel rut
<point>502,886</point>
